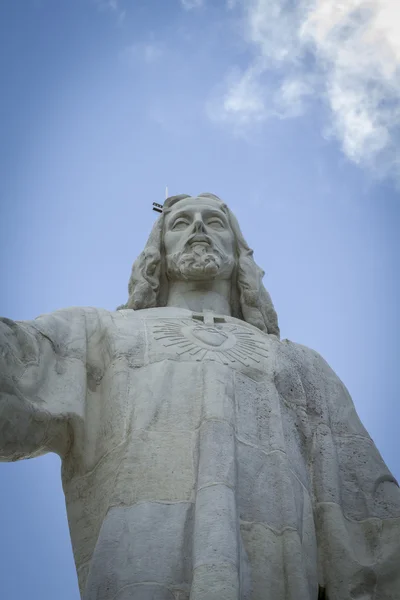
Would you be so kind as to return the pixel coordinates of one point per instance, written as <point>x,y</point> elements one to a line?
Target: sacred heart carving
<point>229,344</point>
<point>209,336</point>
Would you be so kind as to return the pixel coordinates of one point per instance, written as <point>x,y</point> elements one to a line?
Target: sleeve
<point>42,383</point>
<point>356,498</point>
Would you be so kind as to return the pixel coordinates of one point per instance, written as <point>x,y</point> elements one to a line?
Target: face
<point>198,241</point>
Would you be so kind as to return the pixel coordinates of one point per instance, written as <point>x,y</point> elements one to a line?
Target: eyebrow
<point>212,212</point>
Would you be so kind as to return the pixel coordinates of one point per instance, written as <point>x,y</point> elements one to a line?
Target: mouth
<point>199,240</point>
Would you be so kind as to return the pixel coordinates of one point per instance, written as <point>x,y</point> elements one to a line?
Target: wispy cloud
<point>344,52</point>
<point>190,4</point>
<point>112,6</point>
<point>148,52</point>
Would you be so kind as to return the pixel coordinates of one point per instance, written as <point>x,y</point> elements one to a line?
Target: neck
<point>199,296</point>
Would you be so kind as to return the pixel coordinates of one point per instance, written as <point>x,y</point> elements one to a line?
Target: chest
<point>206,338</point>
<point>191,337</point>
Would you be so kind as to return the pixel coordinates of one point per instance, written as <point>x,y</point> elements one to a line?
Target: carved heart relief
<point>209,336</point>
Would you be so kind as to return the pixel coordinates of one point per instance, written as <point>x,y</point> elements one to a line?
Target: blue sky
<point>291,114</point>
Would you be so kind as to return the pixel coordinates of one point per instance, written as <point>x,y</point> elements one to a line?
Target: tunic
<point>201,458</point>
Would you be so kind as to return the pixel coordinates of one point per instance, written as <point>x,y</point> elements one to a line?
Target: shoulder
<point>70,324</point>
<point>300,352</point>
<point>308,362</point>
<point>322,385</point>
<point>66,317</point>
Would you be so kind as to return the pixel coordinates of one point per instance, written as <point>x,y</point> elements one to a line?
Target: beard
<point>199,263</point>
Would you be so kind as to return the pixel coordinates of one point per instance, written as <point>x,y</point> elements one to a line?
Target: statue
<point>202,457</point>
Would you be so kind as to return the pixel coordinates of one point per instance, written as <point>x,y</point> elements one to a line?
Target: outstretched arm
<point>42,383</point>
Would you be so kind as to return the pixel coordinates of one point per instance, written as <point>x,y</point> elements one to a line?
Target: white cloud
<point>245,99</point>
<point>345,51</point>
<point>190,4</point>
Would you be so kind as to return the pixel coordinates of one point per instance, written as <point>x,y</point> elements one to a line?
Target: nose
<point>198,226</point>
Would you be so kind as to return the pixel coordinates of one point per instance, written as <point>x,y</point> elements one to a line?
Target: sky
<point>289,111</point>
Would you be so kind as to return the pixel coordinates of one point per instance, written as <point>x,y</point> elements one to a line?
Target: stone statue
<point>202,457</point>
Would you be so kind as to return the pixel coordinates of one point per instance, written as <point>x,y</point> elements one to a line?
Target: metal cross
<point>157,207</point>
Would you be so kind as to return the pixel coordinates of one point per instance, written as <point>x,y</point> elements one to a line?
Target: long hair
<point>250,301</point>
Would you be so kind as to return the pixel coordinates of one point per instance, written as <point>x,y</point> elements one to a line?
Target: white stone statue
<point>202,457</point>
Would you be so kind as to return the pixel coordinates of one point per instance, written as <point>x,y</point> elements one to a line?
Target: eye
<point>215,223</point>
<point>180,224</point>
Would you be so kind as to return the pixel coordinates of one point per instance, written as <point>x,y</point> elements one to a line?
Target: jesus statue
<point>202,457</point>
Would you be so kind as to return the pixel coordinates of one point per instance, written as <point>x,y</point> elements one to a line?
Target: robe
<point>201,458</point>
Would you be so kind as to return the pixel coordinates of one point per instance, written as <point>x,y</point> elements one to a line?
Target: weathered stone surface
<point>148,542</point>
<point>203,459</point>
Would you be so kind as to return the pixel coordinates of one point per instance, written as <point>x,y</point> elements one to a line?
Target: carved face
<point>198,241</point>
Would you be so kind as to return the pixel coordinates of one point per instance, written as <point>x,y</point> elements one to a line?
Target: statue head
<point>199,244</point>
<point>199,239</point>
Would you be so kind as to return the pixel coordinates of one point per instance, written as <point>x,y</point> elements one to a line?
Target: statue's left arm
<point>356,498</point>
<point>42,383</point>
